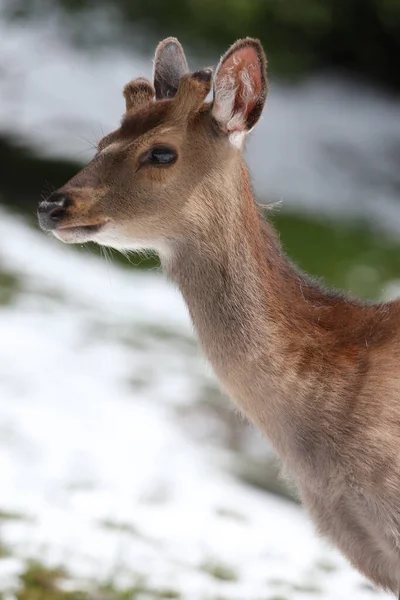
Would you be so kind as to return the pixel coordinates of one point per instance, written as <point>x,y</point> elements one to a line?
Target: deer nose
<point>53,210</point>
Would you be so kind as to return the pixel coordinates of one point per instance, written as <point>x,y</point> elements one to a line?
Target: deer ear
<point>240,89</point>
<point>169,66</point>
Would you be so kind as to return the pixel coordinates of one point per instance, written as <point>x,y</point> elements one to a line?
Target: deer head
<point>155,179</point>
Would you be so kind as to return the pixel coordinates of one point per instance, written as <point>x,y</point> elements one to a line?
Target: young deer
<point>316,371</point>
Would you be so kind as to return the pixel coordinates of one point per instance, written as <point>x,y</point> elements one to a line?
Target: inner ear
<point>169,66</point>
<point>240,87</point>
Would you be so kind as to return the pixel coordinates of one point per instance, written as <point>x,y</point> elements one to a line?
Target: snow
<point>95,361</point>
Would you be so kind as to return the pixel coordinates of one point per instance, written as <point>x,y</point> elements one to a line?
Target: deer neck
<point>239,288</point>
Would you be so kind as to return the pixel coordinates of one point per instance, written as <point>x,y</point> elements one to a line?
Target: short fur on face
<point>121,199</point>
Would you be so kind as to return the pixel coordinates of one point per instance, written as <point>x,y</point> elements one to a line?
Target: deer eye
<point>161,155</point>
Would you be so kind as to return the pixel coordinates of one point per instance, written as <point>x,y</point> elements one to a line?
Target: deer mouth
<point>75,234</point>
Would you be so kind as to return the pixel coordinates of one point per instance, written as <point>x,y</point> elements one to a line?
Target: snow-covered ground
<point>96,364</point>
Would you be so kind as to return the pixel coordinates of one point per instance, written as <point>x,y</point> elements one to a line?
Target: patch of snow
<point>110,481</point>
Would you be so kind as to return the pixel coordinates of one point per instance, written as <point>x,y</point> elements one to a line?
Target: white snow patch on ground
<point>92,368</point>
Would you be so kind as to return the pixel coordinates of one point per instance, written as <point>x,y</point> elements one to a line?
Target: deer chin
<point>78,234</point>
<point>114,238</point>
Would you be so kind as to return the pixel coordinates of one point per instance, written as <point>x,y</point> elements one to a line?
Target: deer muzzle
<point>52,211</point>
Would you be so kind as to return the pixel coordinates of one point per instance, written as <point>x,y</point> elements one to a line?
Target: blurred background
<point>125,474</point>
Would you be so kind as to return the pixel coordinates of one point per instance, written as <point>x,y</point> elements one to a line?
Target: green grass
<point>219,571</point>
<point>5,552</point>
<point>346,255</point>
<point>307,588</point>
<point>38,582</point>
<point>11,515</point>
<point>228,513</point>
<point>119,527</point>
<point>9,286</point>
<point>326,566</point>
<point>139,591</point>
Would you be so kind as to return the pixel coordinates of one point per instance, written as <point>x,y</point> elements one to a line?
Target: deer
<point>317,371</point>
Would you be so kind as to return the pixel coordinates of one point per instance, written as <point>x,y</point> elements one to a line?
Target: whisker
<point>271,206</point>
<point>104,251</point>
<point>88,141</point>
<point>48,188</point>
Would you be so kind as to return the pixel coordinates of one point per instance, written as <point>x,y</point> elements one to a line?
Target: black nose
<point>53,210</point>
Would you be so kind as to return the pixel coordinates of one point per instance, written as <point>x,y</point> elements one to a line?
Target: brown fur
<point>138,91</point>
<point>316,371</point>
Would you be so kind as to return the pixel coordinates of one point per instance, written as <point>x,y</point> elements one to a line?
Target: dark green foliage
<point>25,176</point>
<point>360,35</point>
